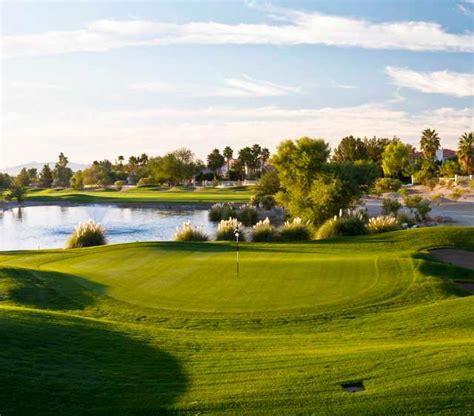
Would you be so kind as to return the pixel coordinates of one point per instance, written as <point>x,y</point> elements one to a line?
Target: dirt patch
<point>457,257</point>
<point>466,285</point>
<point>353,386</point>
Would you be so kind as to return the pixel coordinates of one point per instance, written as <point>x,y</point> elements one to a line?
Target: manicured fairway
<point>142,195</point>
<point>168,328</point>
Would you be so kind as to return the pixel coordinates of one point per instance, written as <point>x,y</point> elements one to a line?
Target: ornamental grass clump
<point>295,230</point>
<point>87,234</point>
<point>383,224</point>
<point>263,231</point>
<point>190,232</point>
<point>226,230</point>
<point>352,224</point>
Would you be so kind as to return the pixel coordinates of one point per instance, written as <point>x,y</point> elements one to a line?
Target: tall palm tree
<point>429,144</point>
<point>466,152</point>
<point>228,153</point>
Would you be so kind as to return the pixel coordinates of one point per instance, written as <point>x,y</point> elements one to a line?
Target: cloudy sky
<point>100,79</point>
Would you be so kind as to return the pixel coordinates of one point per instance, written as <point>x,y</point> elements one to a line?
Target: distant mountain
<point>15,170</point>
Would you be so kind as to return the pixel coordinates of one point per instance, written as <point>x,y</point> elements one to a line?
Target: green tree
<point>16,191</point>
<point>350,149</point>
<point>33,175</point>
<point>466,152</point>
<point>396,159</point>
<point>228,153</point>
<point>77,180</point>
<point>429,144</point>
<point>215,161</point>
<point>298,163</point>
<point>23,178</point>
<point>245,161</point>
<point>5,180</point>
<point>449,168</point>
<point>265,155</point>
<point>46,177</point>
<point>175,167</point>
<point>62,173</point>
<point>268,184</point>
<point>375,147</point>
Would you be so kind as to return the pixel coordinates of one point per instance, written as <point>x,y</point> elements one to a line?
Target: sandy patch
<point>457,257</point>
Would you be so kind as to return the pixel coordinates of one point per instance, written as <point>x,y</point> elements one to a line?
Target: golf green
<point>170,328</point>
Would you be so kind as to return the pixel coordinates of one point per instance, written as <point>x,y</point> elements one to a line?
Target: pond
<point>42,227</point>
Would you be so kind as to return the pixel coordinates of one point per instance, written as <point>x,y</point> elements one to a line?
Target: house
<point>442,155</point>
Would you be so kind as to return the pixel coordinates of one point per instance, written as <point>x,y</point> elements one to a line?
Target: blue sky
<point>99,79</point>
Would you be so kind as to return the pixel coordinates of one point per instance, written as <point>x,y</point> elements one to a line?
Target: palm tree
<point>466,152</point>
<point>429,144</point>
<point>228,153</point>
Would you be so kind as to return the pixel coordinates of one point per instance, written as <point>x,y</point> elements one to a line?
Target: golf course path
<point>457,257</point>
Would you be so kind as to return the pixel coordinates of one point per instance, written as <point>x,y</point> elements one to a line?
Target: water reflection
<point>49,226</point>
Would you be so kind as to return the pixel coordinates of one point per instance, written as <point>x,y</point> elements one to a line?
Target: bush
<point>386,185</point>
<point>424,177</point>
<point>15,191</point>
<point>419,207</point>
<point>267,202</point>
<point>226,230</point>
<point>222,211</point>
<point>146,182</point>
<point>295,230</point>
<point>190,233</point>
<point>404,218</point>
<point>382,224</point>
<point>456,194</point>
<point>436,198</point>
<point>264,232</point>
<point>87,234</point>
<point>119,184</point>
<point>247,215</point>
<point>390,206</point>
<point>340,226</point>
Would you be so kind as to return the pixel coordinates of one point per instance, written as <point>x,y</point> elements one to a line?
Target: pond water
<point>50,226</point>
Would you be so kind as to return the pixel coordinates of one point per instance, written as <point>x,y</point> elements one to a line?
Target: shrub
<point>295,230</point>
<point>264,232</point>
<point>419,207</point>
<point>146,182</point>
<point>247,215</point>
<point>339,226</point>
<point>267,202</point>
<point>87,234</point>
<point>190,233</point>
<point>386,185</point>
<point>456,194</point>
<point>222,211</point>
<point>436,198</point>
<point>382,224</point>
<point>119,184</point>
<point>226,230</point>
<point>254,200</point>
<point>390,206</point>
<point>404,218</point>
<point>425,177</point>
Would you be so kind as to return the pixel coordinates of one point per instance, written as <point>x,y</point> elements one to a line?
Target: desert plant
<point>295,230</point>
<point>390,206</point>
<point>87,234</point>
<point>419,207</point>
<point>247,215</point>
<point>222,211</point>
<point>386,185</point>
<point>190,233</point>
<point>382,224</point>
<point>226,230</point>
<point>264,232</point>
<point>456,194</point>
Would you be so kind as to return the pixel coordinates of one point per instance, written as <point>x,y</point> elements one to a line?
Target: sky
<point>98,79</point>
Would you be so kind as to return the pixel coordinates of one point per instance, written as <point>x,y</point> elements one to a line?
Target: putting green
<point>168,328</point>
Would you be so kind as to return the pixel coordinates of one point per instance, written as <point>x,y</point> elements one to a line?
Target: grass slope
<point>142,195</point>
<point>168,328</point>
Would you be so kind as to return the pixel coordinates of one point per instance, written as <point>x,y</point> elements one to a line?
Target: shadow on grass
<point>47,289</point>
<point>448,273</point>
<point>57,365</point>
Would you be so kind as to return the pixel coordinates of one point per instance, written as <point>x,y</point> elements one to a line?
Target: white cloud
<point>249,87</point>
<point>154,86</point>
<point>292,28</point>
<point>440,82</point>
<point>108,133</point>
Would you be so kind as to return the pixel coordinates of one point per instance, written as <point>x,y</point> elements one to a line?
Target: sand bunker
<point>457,257</point>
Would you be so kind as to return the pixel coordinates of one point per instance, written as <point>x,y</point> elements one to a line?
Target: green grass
<point>142,195</point>
<point>168,328</point>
